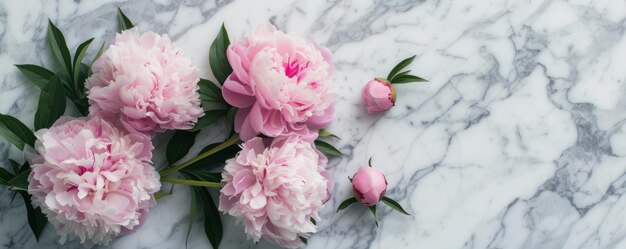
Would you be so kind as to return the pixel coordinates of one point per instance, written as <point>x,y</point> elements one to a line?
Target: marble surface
<point>517,141</point>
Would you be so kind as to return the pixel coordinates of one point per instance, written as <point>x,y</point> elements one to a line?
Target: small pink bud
<point>369,186</point>
<point>378,95</point>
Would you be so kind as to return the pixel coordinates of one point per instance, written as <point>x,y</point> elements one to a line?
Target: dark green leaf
<point>179,145</point>
<point>216,159</point>
<point>5,177</point>
<point>313,221</point>
<point>60,52</point>
<point>78,60</point>
<point>407,79</point>
<point>211,96</point>
<point>212,220</point>
<point>326,133</point>
<point>346,203</point>
<point>193,209</point>
<point>404,63</point>
<point>373,210</point>
<point>100,50</point>
<point>394,204</point>
<point>51,104</point>
<point>16,166</point>
<point>209,118</point>
<point>327,149</point>
<point>304,240</point>
<point>36,74</point>
<point>230,122</point>
<point>124,22</point>
<point>20,181</point>
<point>217,56</point>
<point>399,75</point>
<point>24,167</point>
<point>36,219</point>
<point>16,132</point>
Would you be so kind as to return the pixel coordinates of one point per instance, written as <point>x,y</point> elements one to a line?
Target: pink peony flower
<point>369,186</point>
<point>378,95</point>
<point>92,180</point>
<point>276,190</point>
<point>280,83</point>
<point>146,83</point>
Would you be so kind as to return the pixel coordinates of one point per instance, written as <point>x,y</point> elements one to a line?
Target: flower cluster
<point>281,85</point>
<point>93,177</point>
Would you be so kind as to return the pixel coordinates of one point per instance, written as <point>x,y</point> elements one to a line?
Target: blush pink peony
<point>92,180</point>
<point>146,83</point>
<point>378,95</point>
<point>369,185</point>
<point>276,189</point>
<point>280,83</point>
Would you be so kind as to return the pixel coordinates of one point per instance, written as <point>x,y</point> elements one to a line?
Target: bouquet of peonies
<point>91,175</point>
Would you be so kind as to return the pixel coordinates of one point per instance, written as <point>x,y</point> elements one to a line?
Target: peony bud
<point>378,95</point>
<point>369,186</point>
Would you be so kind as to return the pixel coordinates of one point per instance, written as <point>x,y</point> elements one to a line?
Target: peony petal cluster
<point>146,83</point>
<point>276,189</point>
<point>378,95</point>
<point>92,180</point>
<point>280,83</point>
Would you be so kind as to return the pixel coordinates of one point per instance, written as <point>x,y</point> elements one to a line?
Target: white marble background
<point>517,141</point>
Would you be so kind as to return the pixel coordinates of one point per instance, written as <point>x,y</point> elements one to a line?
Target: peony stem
<point>192,182</point>
<point>232,140</point>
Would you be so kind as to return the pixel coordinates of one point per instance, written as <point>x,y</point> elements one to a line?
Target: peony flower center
<point>293,67</point>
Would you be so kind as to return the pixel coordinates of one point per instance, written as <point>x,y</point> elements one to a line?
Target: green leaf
<point>5,177</point>
<point>217,56</point>
<point>16,132</point>
<point>327,149</point>
<point>203,175</point>
<point>229,120</point>
<point>60,52</point>
<point>213,228</point>
<point>51,104</point>
<point>373,210</point>
<point>407,79</point>
<point>394,204</point>
<point>326,133</point>
<point>209,117</point>
<point>216,159</point>
<point>193,209</point>
<point>78,59</point>
<point>23,168</point>
<point>16,166</point>
<point>36,219</point>
<point>400,74</point>
<point>179,145</point>
<point>404,63</point>
<point>98,54</point>
<point>36,74</point>
<point>211,96</point>
<point>304,240</point>
<point>313,221</point>
<point>20,181</point>
<point>124,22</point>
<point>346,203</point>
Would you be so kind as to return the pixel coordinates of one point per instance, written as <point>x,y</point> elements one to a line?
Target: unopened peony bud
<point>369,186</point>
<point>378,95</point>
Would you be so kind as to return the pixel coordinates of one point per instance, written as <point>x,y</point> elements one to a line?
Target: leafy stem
<point>192,182</point>
<point>232,140</point>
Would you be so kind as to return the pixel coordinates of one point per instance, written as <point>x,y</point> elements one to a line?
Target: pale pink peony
<point>146,83</point>
<point>92,180</point>
<point>369,186</point>
<point>378,95</point>
<point>276,190</point>
<point>280,83</point>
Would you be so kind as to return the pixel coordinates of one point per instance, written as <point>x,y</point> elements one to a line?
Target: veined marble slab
<point>517,141</point>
